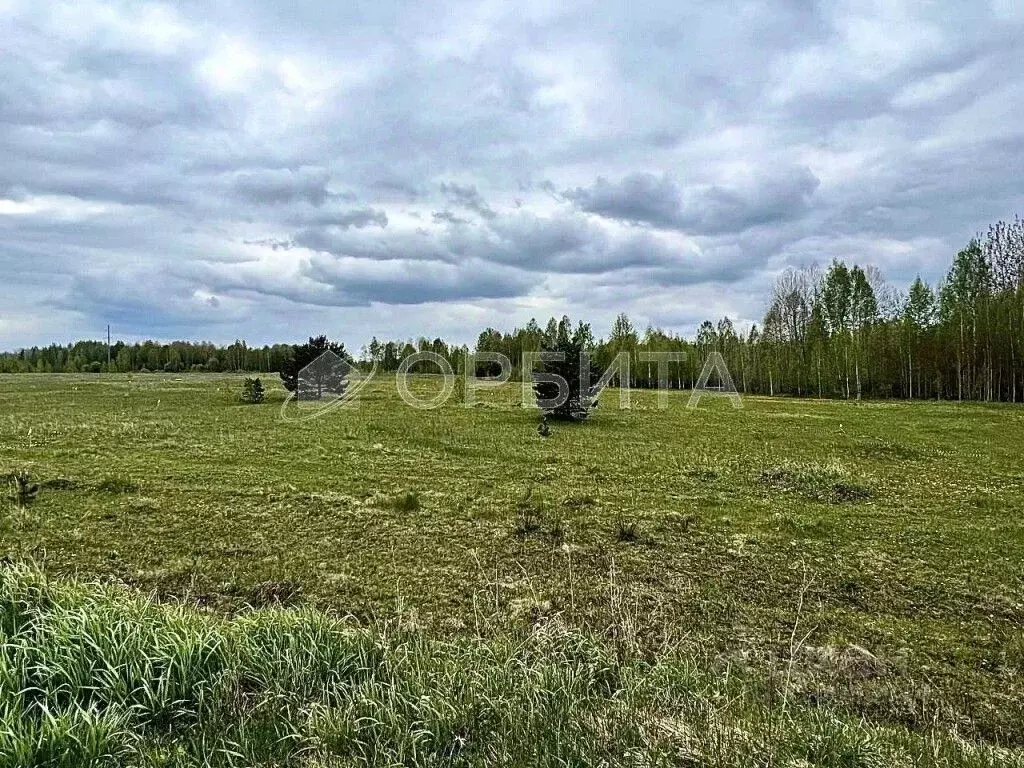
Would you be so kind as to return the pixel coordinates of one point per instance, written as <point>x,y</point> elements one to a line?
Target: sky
<point>266,171</point>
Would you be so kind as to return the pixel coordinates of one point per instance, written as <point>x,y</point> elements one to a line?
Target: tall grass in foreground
<point>95,675</point>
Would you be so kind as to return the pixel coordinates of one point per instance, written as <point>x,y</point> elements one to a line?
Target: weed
<point>556,530</point>
<point>533,517</point>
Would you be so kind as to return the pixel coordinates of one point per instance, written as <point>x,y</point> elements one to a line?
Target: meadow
<point>799,582</point>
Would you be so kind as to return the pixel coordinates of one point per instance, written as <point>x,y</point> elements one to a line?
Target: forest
<point>838,332</point>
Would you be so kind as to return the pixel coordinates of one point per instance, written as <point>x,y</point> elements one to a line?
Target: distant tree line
<point>148,356</point>
<point>838,332</point>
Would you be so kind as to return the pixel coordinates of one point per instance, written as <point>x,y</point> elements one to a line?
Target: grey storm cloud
<point>213,171</point>
<point>468,197</point>
<point>354,217</point>
<point>708,209</point>
<point>273,187</point>
<point>639,197</point>
<point>417,282</point>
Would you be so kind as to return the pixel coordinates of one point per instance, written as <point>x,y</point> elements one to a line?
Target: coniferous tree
<point>304,354</point>
<point>253,391</point>
<point>575,367</point>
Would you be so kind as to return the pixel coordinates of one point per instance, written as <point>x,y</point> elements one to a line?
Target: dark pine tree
<point>576,368</point>
<point>304,354</point>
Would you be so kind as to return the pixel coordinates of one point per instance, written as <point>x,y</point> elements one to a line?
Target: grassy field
<point>860,563</point>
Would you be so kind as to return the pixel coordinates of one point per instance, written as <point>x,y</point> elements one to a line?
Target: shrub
<point>253,392</point>
<point>406,502</point>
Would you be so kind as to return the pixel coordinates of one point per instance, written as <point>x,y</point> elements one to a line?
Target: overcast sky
<point>221,170</point>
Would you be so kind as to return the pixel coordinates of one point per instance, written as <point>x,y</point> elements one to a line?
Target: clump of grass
<point>847,491</point>
<point>143,505</point>
<point>889,449</point>
<point>804,526</point>
<point>556,529</point>
<point>627,530</point>
<point>117,484</point>
<point>529,516</point>
<point>533,518</point>
<point>827,483</point>
<point>23,489</point>
<point>528,522</point>
<point>405,502</point>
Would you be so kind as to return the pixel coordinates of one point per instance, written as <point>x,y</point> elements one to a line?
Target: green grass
<point>94,676</point>
<point>869,554</point>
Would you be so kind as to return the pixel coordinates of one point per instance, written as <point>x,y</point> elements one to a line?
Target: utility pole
<point>108,347</point>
